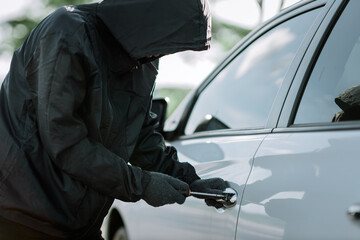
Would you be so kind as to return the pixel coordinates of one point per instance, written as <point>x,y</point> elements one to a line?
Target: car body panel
<point>311,179</point>
<point>293,182</point>
<point>212,157</point>
<point>301,186</point>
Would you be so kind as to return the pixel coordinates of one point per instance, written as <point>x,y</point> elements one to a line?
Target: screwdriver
<point>203,195</point>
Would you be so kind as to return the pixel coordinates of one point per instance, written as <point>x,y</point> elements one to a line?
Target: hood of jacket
<point>157,27</point>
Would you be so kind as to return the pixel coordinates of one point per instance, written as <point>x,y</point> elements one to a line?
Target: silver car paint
<point>301,186</point>
<point>228,156</point>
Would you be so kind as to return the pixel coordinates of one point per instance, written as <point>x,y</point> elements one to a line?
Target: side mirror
<point>159,107</point>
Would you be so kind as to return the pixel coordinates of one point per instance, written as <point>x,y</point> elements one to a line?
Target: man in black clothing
<point>75,122</point>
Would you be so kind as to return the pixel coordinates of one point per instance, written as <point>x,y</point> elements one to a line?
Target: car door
<point>223,124</point>
<point>304,182</point>
<point>231,116</point>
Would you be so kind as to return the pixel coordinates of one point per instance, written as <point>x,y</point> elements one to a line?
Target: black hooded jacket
<point>75,126</point>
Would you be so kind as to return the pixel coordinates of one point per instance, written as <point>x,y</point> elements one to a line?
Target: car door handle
<point>228,198</point>
<point>354,211</point>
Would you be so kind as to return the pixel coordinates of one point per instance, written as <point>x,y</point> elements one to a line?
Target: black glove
<point>163,189</point>
<point>211,185</point>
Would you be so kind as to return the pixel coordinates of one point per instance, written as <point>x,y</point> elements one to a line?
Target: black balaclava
<point>157,27</point>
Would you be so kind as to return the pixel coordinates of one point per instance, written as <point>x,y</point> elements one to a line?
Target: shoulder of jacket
<point>63,29</point>
<point>66,20</point>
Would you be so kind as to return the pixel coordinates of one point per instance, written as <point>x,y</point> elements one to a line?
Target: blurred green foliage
<point>20,27</point>
<point>227,34</point>
<point>173,96</point>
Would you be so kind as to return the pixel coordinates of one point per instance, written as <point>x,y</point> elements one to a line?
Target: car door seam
<point>247,179</point>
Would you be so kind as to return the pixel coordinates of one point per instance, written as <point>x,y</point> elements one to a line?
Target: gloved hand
<point>210,185</point>
<point>163,189</point>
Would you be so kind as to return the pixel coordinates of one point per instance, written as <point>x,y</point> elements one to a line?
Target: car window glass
<point>241,95</point>
<point>333,91</point>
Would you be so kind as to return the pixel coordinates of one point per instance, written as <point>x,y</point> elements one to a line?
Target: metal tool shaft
<point>206,195</point>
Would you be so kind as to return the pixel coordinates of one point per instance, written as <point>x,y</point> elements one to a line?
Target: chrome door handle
<point>354,211</point>
<point>228,198</point>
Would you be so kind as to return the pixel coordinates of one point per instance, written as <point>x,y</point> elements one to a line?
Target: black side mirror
<point>159,107</point>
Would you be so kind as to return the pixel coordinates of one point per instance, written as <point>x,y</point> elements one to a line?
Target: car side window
<point>332,93</point>
<point>242,94</point>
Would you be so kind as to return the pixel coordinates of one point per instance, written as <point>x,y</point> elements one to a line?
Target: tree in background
<point>20,27</point>
<point>227,34</point>
<point>261,8</point>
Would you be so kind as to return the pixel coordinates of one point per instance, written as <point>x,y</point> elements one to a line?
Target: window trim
<point>276,108</point>
<point>319,127</point>
<point>226,132</point>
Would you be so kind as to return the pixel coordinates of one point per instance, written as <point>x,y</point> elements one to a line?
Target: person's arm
<point>58,75</point>
<point>152,154</point>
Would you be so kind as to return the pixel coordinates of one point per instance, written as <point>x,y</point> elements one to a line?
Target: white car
<point>279,119</point>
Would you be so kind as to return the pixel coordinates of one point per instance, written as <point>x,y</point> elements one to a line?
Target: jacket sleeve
<point>58,73</point>
<point>152,154</point>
